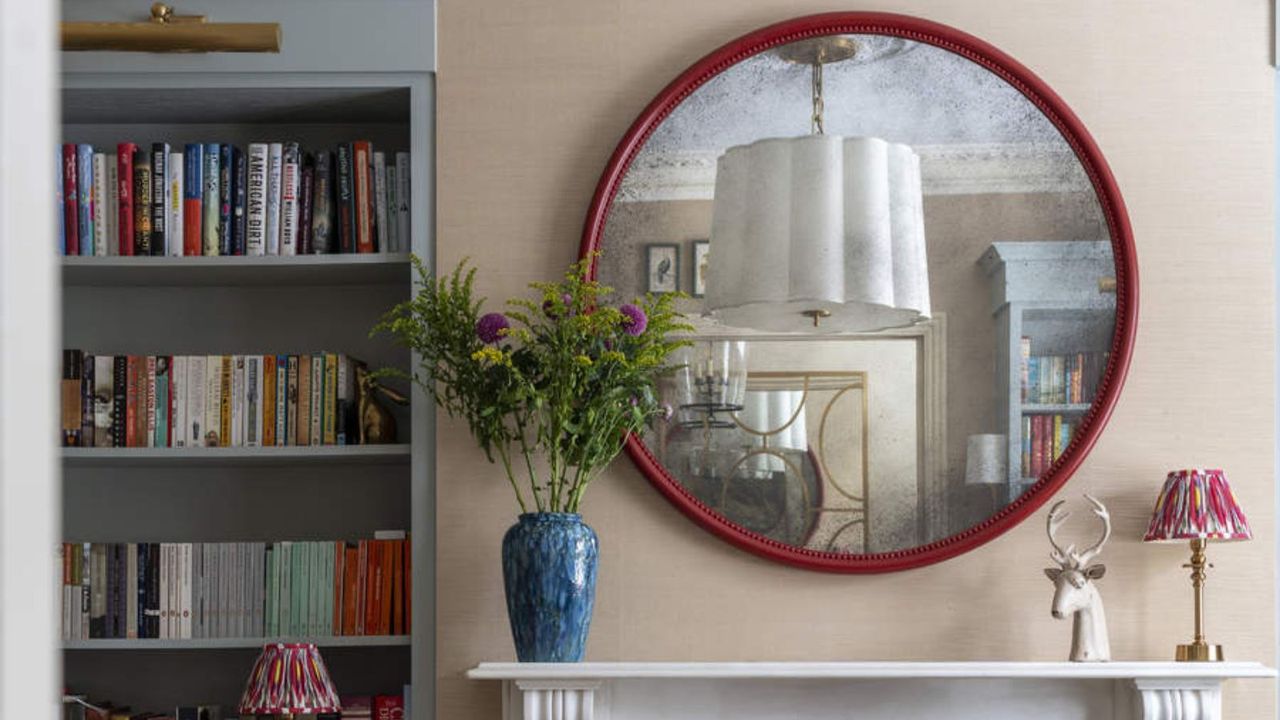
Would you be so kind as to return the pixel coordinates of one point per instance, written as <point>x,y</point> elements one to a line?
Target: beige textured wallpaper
<point>532,98</point>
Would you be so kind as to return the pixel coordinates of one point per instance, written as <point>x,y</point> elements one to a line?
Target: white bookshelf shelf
<point>300,455</point>
<point>233,643</point>
<point>338,269</point>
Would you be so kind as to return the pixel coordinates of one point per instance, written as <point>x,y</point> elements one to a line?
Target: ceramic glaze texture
<point>549,568</point>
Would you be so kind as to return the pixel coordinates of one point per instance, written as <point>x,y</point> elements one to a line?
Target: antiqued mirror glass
<point>903,284</point>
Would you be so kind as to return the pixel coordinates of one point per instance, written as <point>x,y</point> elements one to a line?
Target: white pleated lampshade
<point>767,411</point>
<point>818,222</point>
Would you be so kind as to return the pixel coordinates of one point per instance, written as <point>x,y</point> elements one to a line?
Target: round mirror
<point>911,277</point>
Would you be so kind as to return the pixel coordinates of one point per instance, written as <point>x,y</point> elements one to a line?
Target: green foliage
<point>565,380</point>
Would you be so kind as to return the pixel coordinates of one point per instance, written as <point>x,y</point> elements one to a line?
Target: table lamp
<point>1197,505</point>
<point>289,679</point>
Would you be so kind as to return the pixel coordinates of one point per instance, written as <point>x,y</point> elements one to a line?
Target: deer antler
<point>1059,555</point>
<point>1087,555</point>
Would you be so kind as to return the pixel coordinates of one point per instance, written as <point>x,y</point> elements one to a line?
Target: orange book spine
<point>396,611</point>
<point>361,160</point>
<point>373,593</point>
<point>268,400</point>
<point>408,585</point>
<point>350,571</point>
<point>362,588</point>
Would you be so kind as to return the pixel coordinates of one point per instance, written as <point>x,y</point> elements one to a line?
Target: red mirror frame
<point>1073,131</point>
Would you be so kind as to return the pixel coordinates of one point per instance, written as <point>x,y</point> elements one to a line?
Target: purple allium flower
<point>549,306</point>
<point>489,328</point>
<point>635,321</point>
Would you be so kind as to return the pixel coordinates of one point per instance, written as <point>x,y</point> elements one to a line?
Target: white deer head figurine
<point>1074,591</point>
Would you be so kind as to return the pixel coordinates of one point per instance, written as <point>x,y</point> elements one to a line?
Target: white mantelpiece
<point>866,690</point>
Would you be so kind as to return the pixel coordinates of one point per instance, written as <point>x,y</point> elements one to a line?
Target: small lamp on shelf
<point>1197,505</point>
<point>289,679</point>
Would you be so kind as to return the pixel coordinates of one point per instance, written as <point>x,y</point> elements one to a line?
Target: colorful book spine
<point>282,399</point>
<point>322,220</point>
<point>306,200</point>
<point>239,200</point>
<point>84,190</point>
<point>289,183</point>
<point>226,195</point>
<point>256,200</point>
<point>193,200</point>
<point>124,197</point>
<point>195,427</point>
<point>161,438</point>
<point>70,200</point>
<point>269,400</point>
<point>100,208</point>
<point>87,424</point>
<point>119,399</point>
<point>112,245</point>
<point>103,400</point>
<point>346,199</point>
<point>177,434</point>
<point>211,203</point>
<point>141,202</point>
<point>361,165</point>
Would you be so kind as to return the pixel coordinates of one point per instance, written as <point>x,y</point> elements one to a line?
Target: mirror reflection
<point>902,284</point>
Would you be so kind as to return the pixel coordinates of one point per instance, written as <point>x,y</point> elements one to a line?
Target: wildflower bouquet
<point>565,376</point>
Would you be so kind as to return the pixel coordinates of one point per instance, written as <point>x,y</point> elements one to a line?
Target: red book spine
<point>373,591</point>
<point>387,567</point>
<point>71,204</point>
<point>388,707</point>
<point>408,586</point>
<point>350,575</point>
<point>124,191</point>
<point>362,587</point>
<point>361,157</point>
<point>131,402</point>
<point>397,587</point>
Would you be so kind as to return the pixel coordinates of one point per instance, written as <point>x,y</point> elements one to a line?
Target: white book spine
<point>289,200</point>
<point>256,199</point>
<point>99,204</point>
<point>113,204</point>
<point>380,200</point>
<point>195,387</point>
<point>212,400</point>
<point>173,234</point>
<point>317,399</point>
<point>185,589</point>
<point>404,225</point>
<point>220,604</point>
<point>178,399</point>
<point>237,401</point>
<point>275,160</point>
<point>164,591</point>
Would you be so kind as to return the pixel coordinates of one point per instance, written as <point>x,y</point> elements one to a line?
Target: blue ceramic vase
<point>549,570</point>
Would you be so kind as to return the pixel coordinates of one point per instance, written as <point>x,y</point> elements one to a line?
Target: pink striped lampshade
<point>1197,504</point>
<point>289,678</point>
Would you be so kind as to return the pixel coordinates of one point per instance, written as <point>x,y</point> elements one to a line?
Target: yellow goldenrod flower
<point>583,360</point>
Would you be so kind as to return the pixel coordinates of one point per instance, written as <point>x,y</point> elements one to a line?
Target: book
<point>238,398</point>
<point>302,428</point>
<point>316,406</point>
<point>256,201</point>
<point>362,185</point>
<point>322,206</point>
<point>380,209</point>
<point>193,199</point>
<point>289,182</point>
<point>124,197</point>
<point>175,227</point>
<point>345,430</point>
<point>159,189</point>
<point>87,421</point>
<point>103,400</point>
<point>345,200</point>
<point>70,200</point>
<point>275,169</point>
<point>119,398</point>
<point>100,208</point>
<point>282,400</point>
<point>72,367</point>
<point>253,400</point>
<point>112,219</point>
<point>291,395</point>
<point>161,436</point>
<point>142,192</point>
<point>178,426</point>
<point>84,190</point>
<point>239,199</point>
<point>268,400</point>
<point>404,231</point>
<point>212,400</point>
<point>306,199</point>
<point>226,177</point>
<point>388,707</point>
<point>329,426</point>
<point>225,399</point>
<point>211,202</point>
<point>393,217</point>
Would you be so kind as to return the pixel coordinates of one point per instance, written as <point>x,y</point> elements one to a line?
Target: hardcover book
<point>193,200</point>
<point>302,429</point>
<point>275,162</point>
<point>346,200</point>
<point>159,189</point>
<point>162,402</point>
<point>403,222</point>
<point>361,166</point>
<point>212,400</point>
<point>178,392</point>
<point>147,398</point>
<point>175,199</point>
<point>269,400</point>
<point>84,190</point>
<point>289,200</point>
<point>124,197</point>
<point>322,218</point>
<point>119,400</point>
<point>239,197</point>
<point>87,421</point>
<point>380,200</point>
<point>211,203</point>
<point>225,398</point>
<point>70,199</point>
<point>142,202</point>
<point>103,400</point>
<point>256,200</point>
<point>112,215</point>
<point>393,217</point>
<point>306,199</point>
<point>226,195</point>
<point>100,208</point>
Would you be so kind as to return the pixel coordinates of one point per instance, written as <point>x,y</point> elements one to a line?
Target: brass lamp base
<point>1199,652</point>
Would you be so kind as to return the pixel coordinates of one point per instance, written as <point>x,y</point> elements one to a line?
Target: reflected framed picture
<point>700,253</point>
<point>662,267</point>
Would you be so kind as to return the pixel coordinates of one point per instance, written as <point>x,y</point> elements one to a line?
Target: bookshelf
<point>1055,294</point>
<point>209,305</point>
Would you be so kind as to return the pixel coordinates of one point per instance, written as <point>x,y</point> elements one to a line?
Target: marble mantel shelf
<point>626,690</point>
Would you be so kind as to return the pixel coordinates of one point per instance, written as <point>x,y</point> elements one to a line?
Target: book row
<point>354,707</point>
<point>177,591</point>
<point>209,401</point>
<point>1044,439</point>
<point>216,199</point>
<point>1061,379</point>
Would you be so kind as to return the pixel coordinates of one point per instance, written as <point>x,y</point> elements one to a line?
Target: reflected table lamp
<point>289,679</point>
<point>1197,505</point>
<point>987,462</point>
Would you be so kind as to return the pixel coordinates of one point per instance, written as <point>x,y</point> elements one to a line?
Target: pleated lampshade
<point>779,415</point>
<point>289,679</point>
<point>1196,504</point>
<point>818,223</point>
